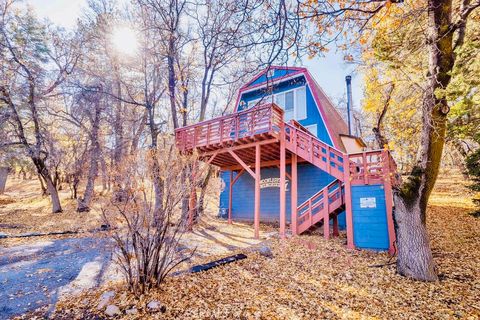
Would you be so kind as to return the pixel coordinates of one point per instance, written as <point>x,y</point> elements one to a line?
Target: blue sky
<point>329,71</point>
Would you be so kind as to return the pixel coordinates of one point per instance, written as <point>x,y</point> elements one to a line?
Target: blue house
<point>302,99</point>
<point>286,156</point>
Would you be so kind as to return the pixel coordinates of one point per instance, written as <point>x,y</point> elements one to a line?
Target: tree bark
<point>56,206</point>
<point>3,178</point>
<point>172,77</point>
<point>50,186</point>
<point>42,185</point>
<point>84,203</point>
<point>415,259</point>
<point>201,199</point>
<point>382,141</point>
<point>158,184</point>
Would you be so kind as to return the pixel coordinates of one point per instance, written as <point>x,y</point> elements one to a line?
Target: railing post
<point>310,216</point>
<point>230,195</point>
<point>208,133</point>
<point>365,168</point>
<point>295,140</point>
<point>348,203</point>
<point>270,119</point>
<point>221,131</point>
<point>311,148</point>
<point>326,215</point>
<point>282,182</point>
<point>237,126</point>
<point>388,201</point>
<point>327,158</point>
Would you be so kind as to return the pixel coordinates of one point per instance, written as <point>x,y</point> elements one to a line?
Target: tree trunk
<point>186,196</point>
<point>3,178</point>
<point>118,151</point>
<point>103,165</point>
<point>56,206</point>
<point>84,203</point>
<point>415,259</point>
<point>42,185</point>
<point>172,80</point>
<point>201,199</point>
<point>50,186</point>
<point>157,183</point>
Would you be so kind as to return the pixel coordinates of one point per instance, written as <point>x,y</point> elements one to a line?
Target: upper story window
<point>293,102</point>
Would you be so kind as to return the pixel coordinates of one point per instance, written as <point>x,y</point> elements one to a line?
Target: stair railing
<point>315,151</point>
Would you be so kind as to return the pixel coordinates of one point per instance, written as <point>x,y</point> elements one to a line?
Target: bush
<point>147,237</point>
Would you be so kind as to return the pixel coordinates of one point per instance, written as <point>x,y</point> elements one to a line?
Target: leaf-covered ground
<point>24,210</point>
<point>310,278</point>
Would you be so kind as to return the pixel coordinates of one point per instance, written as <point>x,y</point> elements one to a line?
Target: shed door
<point>370,230</point>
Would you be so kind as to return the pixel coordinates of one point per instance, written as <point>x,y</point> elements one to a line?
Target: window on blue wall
<point>289,105</point>
<point>300,104</point>
<point>292,101</point>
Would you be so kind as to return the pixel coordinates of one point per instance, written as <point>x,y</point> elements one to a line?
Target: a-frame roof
<point>331,117</point>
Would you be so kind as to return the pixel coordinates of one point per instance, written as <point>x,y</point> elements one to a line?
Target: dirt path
<point>36,275</point>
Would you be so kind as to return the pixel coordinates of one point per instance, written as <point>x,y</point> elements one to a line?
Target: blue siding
<point>310,181</point>
<point>370,229</point>
<point>313,115</point>
<point>278,73</point>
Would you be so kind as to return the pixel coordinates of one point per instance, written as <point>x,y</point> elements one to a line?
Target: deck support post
<point>257,192</point>
<point>230,189</point>
<point>293,195</point>
<point>282,185</point>
<point>335,226</point>
<point>348,202</point>
<point>389,201</point>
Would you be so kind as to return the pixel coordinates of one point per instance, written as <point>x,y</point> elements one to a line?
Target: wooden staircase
<point>329,201</point>
<point>323,205</point>
<point>367,167</point>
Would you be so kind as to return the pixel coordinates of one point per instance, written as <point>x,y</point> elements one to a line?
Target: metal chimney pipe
<point>348,79</point>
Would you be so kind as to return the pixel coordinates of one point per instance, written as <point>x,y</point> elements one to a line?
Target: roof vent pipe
<point>348,79</point>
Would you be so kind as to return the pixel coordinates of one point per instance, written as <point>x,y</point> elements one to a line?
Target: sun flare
<point>124,40</point>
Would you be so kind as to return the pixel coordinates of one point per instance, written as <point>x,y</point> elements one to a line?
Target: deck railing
<point>372,167</point>
<point>320,205</point>
<point>315,151</point>
<point>262,119</point>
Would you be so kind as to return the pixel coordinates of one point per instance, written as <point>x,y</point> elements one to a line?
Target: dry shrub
<point>147,236</point>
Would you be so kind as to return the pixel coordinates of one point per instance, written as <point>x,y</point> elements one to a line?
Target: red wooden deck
<point>259,137</point>
<point>239,132</point>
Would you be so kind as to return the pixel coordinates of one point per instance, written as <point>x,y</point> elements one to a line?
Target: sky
<point>329,71</point>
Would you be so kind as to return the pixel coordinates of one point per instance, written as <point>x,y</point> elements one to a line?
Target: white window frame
<point>295,100</point>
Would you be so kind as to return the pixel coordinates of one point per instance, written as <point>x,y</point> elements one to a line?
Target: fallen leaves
<point>311,278</point>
